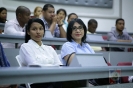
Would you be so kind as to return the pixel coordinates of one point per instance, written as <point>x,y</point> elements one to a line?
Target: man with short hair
<point>118,35</point>
<point>92,26</point>
<point>52,22</point>
<point>17,26</point>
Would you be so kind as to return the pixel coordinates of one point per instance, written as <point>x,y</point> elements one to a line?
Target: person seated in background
<point>33,52</point>
<point>76,36</point>
<point>61,13</point>
<point>52,22</point>
<point>71,16</point>
<point>3,17</point>
<point>17,26</point>
<point>118,35</point>
<point>38,12</point>
<point>92,26</point>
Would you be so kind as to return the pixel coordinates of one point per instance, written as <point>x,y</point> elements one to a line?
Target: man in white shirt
<point>17,26</point>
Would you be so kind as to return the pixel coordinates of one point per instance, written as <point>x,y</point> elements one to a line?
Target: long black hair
<point>27,37</point>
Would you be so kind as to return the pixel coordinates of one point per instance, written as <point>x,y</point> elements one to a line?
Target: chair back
<point>20,61</point>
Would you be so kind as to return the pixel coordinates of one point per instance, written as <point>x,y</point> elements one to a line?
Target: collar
<point>35,44</point>
<point>77,44</point>
<point>117,34</point>
<point>16,22</point>
<point>45,22</point>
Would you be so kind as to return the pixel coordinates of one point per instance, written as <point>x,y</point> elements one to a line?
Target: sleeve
<point>57,32</point>
<point>10,29</point>
<point>130,38</point>
<point>57,60</point>
<point>28,56</point>
<point>111,37</point>
<point>67,49</point>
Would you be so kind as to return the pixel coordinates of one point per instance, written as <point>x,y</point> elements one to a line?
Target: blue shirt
<point>56,30</point>
<point>70,47</point>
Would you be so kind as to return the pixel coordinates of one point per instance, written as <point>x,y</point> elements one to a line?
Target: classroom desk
<point>60,41</point>
<point>18,75</point>
<point>105,32</point>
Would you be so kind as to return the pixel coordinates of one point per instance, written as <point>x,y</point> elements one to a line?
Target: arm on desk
<point>111,37</point>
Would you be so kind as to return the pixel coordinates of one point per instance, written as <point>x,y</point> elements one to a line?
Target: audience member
<point>61,13</point>
<point>71,16</point>
<point>118,35</point>
<point>76,36</point>
<point>92,26</point>
<point>17,26</point>
<point>33,52</point>
<point>52,22</point>
<point>3,15</point>
<point>38,12</point>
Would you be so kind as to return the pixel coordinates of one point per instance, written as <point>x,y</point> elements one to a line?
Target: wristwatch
<point>60,25</point>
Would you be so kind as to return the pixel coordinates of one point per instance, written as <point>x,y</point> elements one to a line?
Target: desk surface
<point>60,41</point>
<point>14,75</point>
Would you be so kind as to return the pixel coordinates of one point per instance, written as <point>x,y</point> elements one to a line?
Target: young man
<point>118,35</point>
<point>17,26</point>
<point>92,26</point>
<point>52,22</point>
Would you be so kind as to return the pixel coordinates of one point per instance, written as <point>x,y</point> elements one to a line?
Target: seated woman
<point>3,17</point>
<point>76,36</point>
<point>38,12</point>
<point>61,13</point>
<point>33,52</point>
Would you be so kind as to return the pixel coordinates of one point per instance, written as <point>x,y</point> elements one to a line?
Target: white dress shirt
<point>33,54</point>
<point>12,27</point>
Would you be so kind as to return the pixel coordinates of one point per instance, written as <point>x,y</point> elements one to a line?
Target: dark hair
<point>21,9</point>
<point>46,6</point>
<point>27,37</point>
<point>69,29</point>
<point>119,20</point>
<point>59,10</point>
<point>72,14</point>
<point>2,8</point>
<point>92,21</point>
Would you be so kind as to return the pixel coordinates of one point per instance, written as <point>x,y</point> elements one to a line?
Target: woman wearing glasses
<point>76,36</point>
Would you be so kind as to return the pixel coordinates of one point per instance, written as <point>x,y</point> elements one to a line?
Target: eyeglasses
<point>74,28</point>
